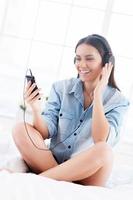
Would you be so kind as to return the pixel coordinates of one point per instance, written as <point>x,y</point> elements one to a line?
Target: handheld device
<point>32,79</point>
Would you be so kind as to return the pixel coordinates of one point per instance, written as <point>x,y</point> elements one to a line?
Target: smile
<point>84,72</point>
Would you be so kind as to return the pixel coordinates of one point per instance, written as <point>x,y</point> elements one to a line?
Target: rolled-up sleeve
<point>115,119</point>
<point>51,111</point>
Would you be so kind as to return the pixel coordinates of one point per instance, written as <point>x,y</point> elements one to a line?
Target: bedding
<point>21,185</point>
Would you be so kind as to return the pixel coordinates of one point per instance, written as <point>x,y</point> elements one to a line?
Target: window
<point>42,34</point>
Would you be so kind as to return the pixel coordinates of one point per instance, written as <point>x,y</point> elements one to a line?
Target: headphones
<point>108,56</point>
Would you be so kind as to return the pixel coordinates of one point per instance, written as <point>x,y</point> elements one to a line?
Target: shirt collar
<point>77,90</point>
<point>76,87</point>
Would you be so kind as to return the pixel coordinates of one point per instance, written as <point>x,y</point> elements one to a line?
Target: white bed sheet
<point>22,186</point>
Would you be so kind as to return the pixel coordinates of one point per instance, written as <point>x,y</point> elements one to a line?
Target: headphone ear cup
<point>112,60</point>
<point>108,58</point>
<point>74,60</point>
<point>74,63</point>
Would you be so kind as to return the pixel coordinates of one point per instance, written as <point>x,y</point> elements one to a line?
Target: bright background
<point>42,34</point>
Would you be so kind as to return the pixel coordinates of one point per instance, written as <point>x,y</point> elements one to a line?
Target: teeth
<point>84,72</point>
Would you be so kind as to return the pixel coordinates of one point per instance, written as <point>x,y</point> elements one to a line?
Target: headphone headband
<point>103,42</point>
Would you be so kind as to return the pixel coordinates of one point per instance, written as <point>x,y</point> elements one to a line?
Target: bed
<point>22,185</point>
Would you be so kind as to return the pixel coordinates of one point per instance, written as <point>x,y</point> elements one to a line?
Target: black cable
<point>25,124</point>
<point>24,114</point>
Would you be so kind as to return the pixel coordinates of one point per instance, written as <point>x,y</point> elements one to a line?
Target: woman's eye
<point>89,59</point>
<point>77,59</point>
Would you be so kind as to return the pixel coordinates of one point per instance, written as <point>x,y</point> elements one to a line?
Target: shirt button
<point>69,147</point>
<point>81,120</point>
<point>60,114</point>
<point>75,134</point>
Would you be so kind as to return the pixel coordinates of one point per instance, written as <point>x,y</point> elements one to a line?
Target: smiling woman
<point>82,124</point>
<point>82,117</point>
<point>97,51</point>
<point>88,62</point>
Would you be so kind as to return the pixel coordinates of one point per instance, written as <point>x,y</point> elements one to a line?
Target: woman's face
<point>88,62</point>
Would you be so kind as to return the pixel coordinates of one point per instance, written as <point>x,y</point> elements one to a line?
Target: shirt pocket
<point>66,123</point>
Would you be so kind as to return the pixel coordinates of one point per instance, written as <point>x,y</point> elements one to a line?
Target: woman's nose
<point>83,64</point>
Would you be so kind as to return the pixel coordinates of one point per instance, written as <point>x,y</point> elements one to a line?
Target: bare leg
<point>91,167</point>
<point>37,160</point>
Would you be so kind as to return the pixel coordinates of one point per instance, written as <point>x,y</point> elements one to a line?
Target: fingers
<point>105,73</point>
<point>31,93</point>
<point>28,85</point>
<point>106,70</point>
<point>33,96</point>
<point>29,88</point>
<point>108,65</point>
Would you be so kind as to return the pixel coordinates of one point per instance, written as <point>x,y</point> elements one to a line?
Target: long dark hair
<point>104,49</point>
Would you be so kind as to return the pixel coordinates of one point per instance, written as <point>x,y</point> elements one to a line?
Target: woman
<point>82,117</point>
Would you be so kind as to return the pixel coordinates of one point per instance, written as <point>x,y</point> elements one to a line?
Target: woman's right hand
<point>32,98</point>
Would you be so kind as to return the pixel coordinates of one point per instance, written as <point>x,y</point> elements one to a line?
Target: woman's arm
<point>32,99</point>
<point>100,125</point>
<point>40,125</point>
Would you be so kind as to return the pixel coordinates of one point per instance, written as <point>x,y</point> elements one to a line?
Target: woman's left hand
<point>104,78</point>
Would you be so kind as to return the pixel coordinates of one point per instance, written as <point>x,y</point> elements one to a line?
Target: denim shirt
<point>69,125</point>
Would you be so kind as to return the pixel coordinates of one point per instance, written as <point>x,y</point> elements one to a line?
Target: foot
<point>6,170</point>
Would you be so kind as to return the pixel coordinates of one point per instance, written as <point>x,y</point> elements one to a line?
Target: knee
<point>18,134</point>
<point>17,129</point>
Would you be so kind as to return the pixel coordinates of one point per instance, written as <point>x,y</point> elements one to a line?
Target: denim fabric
<point>69,124</point>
